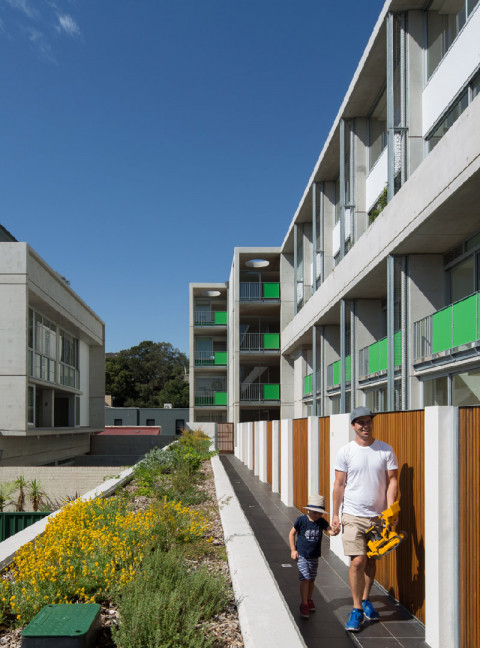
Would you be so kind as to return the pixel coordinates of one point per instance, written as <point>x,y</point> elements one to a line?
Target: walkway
<point>271,522</point>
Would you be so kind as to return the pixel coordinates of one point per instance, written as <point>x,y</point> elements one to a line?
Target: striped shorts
<point>307,568</point>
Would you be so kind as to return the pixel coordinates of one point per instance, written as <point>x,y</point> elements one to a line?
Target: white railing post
<point>286,489</point>
<point>262,450</point>
<point>340,434</point>
<point>275,452</point>
<point>250,448</point>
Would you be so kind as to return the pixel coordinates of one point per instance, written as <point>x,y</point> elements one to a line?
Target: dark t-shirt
<point>309,538</point>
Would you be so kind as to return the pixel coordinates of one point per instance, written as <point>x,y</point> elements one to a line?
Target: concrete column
<point>261,442</point>
<point>313,455</point>
<point>256,449</point>
<point>442,621</point>
<point>239,448</point>
<point>286,489</point>
<point>340,434</point>
<point>250,449</point>
<point>275,448</point>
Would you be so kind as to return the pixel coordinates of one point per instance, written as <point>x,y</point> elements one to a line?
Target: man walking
<point>366,482</point>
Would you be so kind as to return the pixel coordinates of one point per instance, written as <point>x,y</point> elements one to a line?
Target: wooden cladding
<point>300,463</point>
<point>225,438</point>
<point>402,573</point>
<point>469,475</point>
<point>324,460</point>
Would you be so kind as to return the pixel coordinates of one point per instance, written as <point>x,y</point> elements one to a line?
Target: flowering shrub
<point>89,550</point>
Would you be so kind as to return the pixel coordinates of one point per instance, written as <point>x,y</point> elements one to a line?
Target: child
<point>307,549</point>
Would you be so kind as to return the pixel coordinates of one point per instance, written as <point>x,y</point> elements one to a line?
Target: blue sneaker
<point>355,621</point>
<point>369,611</point>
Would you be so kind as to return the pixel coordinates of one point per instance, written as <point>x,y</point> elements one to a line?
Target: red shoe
<point>311,605</point>
<point>304,611</point>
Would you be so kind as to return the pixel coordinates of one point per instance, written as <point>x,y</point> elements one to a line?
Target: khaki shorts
<point>353,533</point>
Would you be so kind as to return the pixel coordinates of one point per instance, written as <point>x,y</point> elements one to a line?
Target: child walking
<point>307,549</point>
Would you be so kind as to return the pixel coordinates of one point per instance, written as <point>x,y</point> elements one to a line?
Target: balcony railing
<point>448,328</point>
<point>258,291</point>
<point>259,392</point>
<point>210,398</point>
<point>260,342</point>
<point>308,383</point>
<point>210,318</point>
<point>210,358</point>
<point>374,358</point>
<point>334,372</point>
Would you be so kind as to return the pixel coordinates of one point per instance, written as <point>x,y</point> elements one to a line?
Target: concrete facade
<point>172,420</point>
<point>378,269</point>
<point>52,362</point>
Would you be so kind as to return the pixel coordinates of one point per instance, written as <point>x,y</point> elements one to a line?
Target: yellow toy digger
<point>381,542</point>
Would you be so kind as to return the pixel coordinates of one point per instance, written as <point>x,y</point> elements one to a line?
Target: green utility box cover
<point>63,626</point>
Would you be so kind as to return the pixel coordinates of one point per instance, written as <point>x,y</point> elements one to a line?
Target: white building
<point>52,362</point>
<point>379,270</point>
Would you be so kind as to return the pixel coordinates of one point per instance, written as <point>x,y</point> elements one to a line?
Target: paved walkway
<point>271,522</point>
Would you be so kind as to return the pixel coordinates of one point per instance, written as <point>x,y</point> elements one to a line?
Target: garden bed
<point>202,558</point>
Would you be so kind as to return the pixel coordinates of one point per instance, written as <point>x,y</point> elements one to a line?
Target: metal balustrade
<point>210,397</point>
<point>210,358</point>
<point>259,392</point>
<point>210,318</point>
<point>260,342</point>
<point>259,291</point>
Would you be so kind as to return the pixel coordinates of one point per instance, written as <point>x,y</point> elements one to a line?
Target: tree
<point>147,375</point>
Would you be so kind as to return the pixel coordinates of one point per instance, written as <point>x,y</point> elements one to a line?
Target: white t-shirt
<point>366,483</point>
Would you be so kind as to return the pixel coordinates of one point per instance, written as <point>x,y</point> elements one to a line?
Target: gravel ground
<point>224,628</point>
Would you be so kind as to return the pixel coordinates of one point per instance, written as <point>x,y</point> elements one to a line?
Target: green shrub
<point>164,606</point>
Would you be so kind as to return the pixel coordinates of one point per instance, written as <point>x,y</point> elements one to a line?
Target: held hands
<point>335,525</point>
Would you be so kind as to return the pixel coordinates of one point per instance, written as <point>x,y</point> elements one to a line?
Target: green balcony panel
<point>271,340</point>
<point>465,321</point>
<point>442,330</point>
<point>220,318</point>
<point>373,358</point>
<point>308,384</point>
<point>397,343</point>
<point>220,398</point>
<point>348,368</point>
<point>220,357</point>
<point>336,372</point>
<point>383,354</point>
<point>271,290</point>
<point>271,392</point>
<point>203,400</point>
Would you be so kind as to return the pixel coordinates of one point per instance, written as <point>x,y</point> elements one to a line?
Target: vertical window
<point>435,392</point>
<point>452,116</point>
<point>117,421</point>
<point>445,18</point>
<point>377,129</point>
<point>466,388</point>
<point>31,405</point>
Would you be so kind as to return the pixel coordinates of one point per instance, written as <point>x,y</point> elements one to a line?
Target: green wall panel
<point>271,340</point>
<point>220,357</point>
<point>373,358</point>
<point>221,318</point>
<point>397,343</point>
<point>308,384</point>
<point>383,354</point>
<point>271,290</point>
<point>271,392</point>
<point>348,368</point>
<point>442,330</point>
<point>336,372</point>
<point>220,398</point>
<point>465,321</point>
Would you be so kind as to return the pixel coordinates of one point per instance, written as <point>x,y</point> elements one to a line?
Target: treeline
<point>148,375</point>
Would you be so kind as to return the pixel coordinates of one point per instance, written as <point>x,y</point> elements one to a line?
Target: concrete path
<point>271,521</point>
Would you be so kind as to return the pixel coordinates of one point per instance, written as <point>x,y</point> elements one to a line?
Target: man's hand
<point>335,524</point>
<point>294,554</point>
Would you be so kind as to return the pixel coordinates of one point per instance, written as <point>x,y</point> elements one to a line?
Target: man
<point>366,482</point>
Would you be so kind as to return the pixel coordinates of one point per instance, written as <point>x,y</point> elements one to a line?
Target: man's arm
<point>392,486</point>
<point>338,492</point>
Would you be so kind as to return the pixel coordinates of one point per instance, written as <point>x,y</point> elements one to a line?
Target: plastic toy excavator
<point>381,541</point>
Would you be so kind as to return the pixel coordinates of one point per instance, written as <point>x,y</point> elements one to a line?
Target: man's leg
<point>357,579</point>
<point>370,569</point>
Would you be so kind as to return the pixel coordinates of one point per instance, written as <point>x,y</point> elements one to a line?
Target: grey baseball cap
<point>360,411</point>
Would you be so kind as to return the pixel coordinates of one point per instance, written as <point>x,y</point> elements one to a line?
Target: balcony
<point>259,392</point>
<point>260,342</point>
<point>210,359</point>
<point>210,318</point>
<point>257,291</point>
<point>453,330</point>
<point>308,384</point>
<point>334,373</point>
<point>373,360</point>
<point>210,398</point>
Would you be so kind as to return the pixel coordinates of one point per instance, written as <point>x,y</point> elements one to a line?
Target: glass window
<point>31,405</point>
<point>466,388</point>
<point>435,392</point>
<point>445,18</point>
<point>449,120</point>
<point>117,421</point>
<point>462,280</point>
<point>377,129</point>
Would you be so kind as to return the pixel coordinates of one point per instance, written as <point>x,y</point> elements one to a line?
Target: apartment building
<point>378,274</point>
<point>52,362</point>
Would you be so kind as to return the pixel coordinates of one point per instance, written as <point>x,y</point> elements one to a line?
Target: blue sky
<point>142,140</point>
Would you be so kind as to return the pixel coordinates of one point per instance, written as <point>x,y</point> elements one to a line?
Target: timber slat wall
<point>269,452</point>
<point>402,572</point>
<point>469,470</point>
<point>300,463</point>
<point>324,460</point>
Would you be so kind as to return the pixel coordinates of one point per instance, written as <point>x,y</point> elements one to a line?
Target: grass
<point>146,562</point>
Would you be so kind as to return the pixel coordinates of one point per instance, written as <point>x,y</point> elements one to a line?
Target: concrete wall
<point>132,416</point>
<point>38,450</point>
